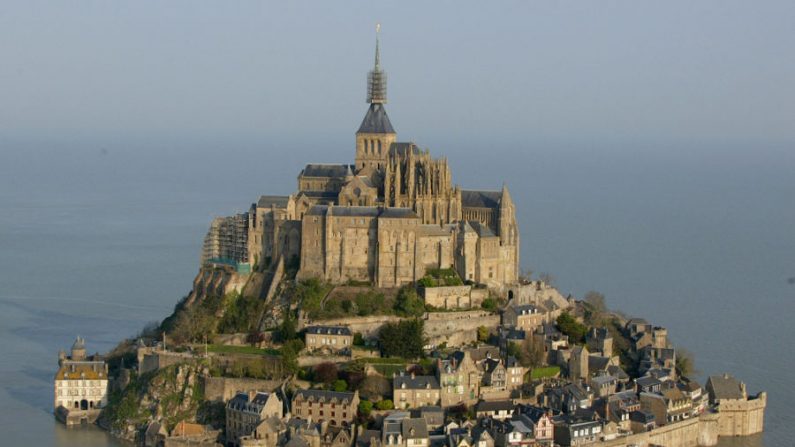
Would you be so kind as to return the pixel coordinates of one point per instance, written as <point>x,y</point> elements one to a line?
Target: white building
<point>81,382</point>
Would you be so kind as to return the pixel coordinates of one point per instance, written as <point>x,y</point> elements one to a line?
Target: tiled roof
<point>81,370</point>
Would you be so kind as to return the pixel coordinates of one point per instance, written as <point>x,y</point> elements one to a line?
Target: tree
<point>547,278</point>
<point>373,387</point>
<point>489,304</point>
<point>339,385</point>
<point>365,408</point>
<point>571,327</point>
<point>325,372</point>
<point>402,339</point>
<point>287,330</point>
<point>483,334</point>
<point>385,404</point>
<point>358,339</point>
<point>596,300</point>
<point>532,353</point>
<point>408,303</point>
<point>685,362</point>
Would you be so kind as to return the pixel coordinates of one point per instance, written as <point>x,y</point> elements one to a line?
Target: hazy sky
<point>597,70</point>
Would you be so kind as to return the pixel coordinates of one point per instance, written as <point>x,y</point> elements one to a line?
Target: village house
<point>524,316</point>
<point>642,421</point>
<point>540,421</point>
<point>495,409</point>
<point>411,391</point>
<point>599,340</point>
<point>246,412</point>
<point>329,339</point>
<point>577,429</point>
<point>459,378</point>
<point>338,408</point>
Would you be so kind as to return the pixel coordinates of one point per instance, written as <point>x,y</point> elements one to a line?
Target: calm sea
<point>98,238</point>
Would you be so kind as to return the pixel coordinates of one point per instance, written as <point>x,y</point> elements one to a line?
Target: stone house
<point>338,408</point>
<point>494,409</point>
<point>459,378</point>
<point>524,316</point>
<point>329,339</point>
<point>271,431</point>
<point>619,407</point>
<point>578,363</point>
<point>245,413</point>
<point>599,339</point>
<point>540,420</point>
<point>511,433</point>
<point>577,429</point>
<point>399,429</point>
<point>411,391</point>
<point>669,407</point>
<point>642,421</point>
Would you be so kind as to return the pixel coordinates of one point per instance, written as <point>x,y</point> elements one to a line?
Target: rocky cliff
<point>166,396</point>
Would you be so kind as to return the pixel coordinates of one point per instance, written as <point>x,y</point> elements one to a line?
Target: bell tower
<point>376,134</point>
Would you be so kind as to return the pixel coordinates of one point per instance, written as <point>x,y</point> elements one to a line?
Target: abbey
<point>385,219</point>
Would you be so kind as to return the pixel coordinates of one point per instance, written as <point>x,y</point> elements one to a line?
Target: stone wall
<point>368,326</point>
<point>693,432</point>
<point>450,297</point>
<point>457,328</point>
<point>150,359</point>
<point>453,328</point>
<point>225,388</point>
<point>742,417</point>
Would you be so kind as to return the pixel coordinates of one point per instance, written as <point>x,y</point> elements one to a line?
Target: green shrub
<point>385,404</point>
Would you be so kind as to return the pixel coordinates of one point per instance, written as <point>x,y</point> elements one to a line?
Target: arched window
<point>379,147</point>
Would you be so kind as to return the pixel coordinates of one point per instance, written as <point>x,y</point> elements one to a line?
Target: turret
<point>79,349</point>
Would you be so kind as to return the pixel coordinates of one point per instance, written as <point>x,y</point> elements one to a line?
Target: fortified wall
<point>453,328</point>
<point>742,417</point>
<point>225,388</point>
<point>694,432</point>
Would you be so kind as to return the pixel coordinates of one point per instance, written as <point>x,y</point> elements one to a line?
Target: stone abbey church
<point>386,219</point>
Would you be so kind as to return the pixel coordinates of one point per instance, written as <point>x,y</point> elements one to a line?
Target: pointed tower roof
<point>376,119</point>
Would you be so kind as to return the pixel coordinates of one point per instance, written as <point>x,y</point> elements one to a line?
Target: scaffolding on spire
<point>376,79</point>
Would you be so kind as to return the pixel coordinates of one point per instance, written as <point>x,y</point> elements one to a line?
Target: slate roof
<point>481,230</point>
<point>376,120</point>
<point>597,362</point>
<point>414,428</point>
<point>617,372</point>
<point>325,170</point>
<point>725,387</point>
<point>363,211</point>
<point>402,148</point>
<point>647,381</point>
<point>328,330</point>
<point>398,213</point>
<point>415,383</point>
<point>321,196</point>
<point>322,394</point>
<point>495,405</point>
<point>480,199</point>
<point>277,201</point>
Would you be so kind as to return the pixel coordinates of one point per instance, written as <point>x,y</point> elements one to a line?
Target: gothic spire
<point>376,79</point>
